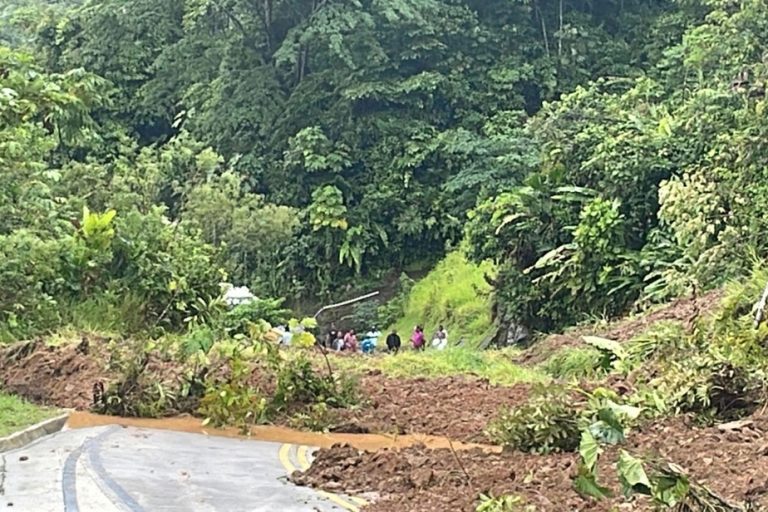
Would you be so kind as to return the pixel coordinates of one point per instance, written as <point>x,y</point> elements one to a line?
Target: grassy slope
<point>454,294</point>
<point>496,366</point>
<point>17,414</point>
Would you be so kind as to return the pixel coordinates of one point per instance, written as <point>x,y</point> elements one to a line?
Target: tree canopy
<point>601,153</point>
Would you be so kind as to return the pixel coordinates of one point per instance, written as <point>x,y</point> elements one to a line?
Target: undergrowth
<point>575,363</point>
<point>454,294</point>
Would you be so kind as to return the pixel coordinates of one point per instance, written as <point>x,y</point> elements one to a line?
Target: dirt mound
<point>454,407</point>
<point>58,376</point>
<point>417,479</point>
<point>683,310</point>
<point>731,460</point>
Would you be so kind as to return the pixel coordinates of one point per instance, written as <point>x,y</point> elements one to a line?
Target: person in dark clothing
<point>393,342</point>
<point>330,338</point>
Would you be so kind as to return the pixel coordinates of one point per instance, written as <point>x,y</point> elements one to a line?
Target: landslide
<point>733,462</point>
<point>684,310</point>
<point>455,407</point>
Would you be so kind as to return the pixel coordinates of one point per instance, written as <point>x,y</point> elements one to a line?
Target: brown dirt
<point>57,376</point>
<point>454,407</point>
<point>64,377</point>
<point>683,310</point>
<point>417,479</point>
<point>734,464</point>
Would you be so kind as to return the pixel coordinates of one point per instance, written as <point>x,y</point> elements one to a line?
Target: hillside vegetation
<point>454,294</point>
<point>303,147</point>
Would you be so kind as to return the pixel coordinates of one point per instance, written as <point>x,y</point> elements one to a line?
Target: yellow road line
<point>339,501</point>
<point>301,454</point>
<point>284,457</point>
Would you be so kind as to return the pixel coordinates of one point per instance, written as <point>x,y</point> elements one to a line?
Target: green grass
<point>453,294</point>
<point>496,366</point>
<point>574,363</point>
<point>17,414</point>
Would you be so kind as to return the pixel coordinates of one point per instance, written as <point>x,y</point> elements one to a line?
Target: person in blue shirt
<point>371,340</point>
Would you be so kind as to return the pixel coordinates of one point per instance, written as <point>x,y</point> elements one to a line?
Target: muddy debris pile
<point>62,376</point>
<point>731,459</point>
<point>418,479</point>
<point>684,311</point>
<point>436,406</point>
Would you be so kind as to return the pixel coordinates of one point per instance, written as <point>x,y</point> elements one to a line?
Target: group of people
<point>339,340</point>
<point>419,339</point>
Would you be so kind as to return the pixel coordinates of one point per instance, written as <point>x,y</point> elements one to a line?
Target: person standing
<point>331,336</point>
<point>393,342</point>
<point>350,341</point>
<point>440,341</point>
<point>338,344</point>
<point>370,341</point>
<point>417,338</point>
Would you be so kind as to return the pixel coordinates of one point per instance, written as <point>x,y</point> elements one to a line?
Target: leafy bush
<point>299,384</point>
<point>545,424</point>
<point>505,503</point>
<point>710,387</point>
<point>234,401</point>
<point>199,339</point>
<point>317,418</point>
<point>164,264</point>
<point>365,315</point>
<point>575,363</point>
<point>30,281</point>
<point>137,393</point>
<point>238,319</point>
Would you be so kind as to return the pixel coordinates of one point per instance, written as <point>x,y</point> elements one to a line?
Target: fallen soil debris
<point>455,407</point>
<point>683,310</point>
<point>733,463</point>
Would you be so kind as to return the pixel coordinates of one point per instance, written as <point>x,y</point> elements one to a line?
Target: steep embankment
<point>454,294</point>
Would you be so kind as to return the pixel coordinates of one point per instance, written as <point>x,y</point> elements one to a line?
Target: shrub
<point>238,319</point>
<point>547,423</point>
<point>575,363</point>
<point>137,394</point>
<point>504,503</point>
<point>317,418</point>
<point>234,402</point>
<point>299,384</point>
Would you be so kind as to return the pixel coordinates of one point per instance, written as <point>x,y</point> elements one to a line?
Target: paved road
<point>119,469</point>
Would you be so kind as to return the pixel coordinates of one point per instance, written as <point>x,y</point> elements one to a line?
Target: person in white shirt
<point>287,337</point>
<point>440,341</point>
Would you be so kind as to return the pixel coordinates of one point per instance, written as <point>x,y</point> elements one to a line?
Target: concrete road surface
<point>119,469</point>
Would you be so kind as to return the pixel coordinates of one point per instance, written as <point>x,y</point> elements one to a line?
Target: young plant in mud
<point>505,503</point>
<point>552,420</point>
<point>135,394</point>
<point>547,423</point>
<point>666,484</point>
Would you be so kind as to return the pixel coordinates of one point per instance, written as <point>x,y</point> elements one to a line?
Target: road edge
<point>28,435</point>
